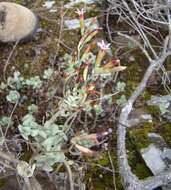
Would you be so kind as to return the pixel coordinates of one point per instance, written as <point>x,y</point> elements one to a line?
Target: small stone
<point>17,23</point>
<point>153,159</point>
<point>75,23</point>
<point>48,4</point>
<point>75,2</point>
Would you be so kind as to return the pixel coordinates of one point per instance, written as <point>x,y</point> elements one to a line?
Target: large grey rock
<point>156,156</point>
<point>153,159</point>
<point>16,22</point>
<point>160,100</point>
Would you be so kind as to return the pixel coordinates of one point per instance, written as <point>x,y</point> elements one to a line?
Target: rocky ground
<point>57,35</point>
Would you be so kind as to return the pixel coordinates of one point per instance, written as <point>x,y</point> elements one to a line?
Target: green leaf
<point>4,121</point>
<point>43,134</point>
<point>29,127</point>
<point>34,82</point>
<point>47,160</point>
<point>131,45</point>
<point>13,96</point>
<point>49,143</point>
<point>32,108</point>
<point>121,101</point>
<point>2,140</point>
<point>48,73</point>
<point>54,129</point>
<point>87,37</point>
<point>163,108</point>
<point>120,86</point>
<point>3,86</point>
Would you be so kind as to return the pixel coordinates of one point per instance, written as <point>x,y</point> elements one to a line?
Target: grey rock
<point>133,121</point>
<point>156,155</point>
<point>75,23</point>
<point>164,103</point>
<point>160,100</point>
<point>153,159</point>
<point>157,140</point>
<point>166,153</point>
<point>48,4</point>
<point>167,117</point>
<point>16,22</point>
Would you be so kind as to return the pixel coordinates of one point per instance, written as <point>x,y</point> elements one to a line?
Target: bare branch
<point>140,16</point>
<point>157,181</point>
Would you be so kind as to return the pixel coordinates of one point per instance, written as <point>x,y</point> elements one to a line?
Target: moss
<point>134,71</point>
<point>165,132</point>
<point>141,170</point>
<point>130,86</point>
<point>100,179</point>
<point>137,139</point>
<point>136,163</point>
<point>104,161</point>
<point>139,136</point>
<point>2,182</point>
<point>146,95</point>
<point>153,110</point>
<point>18,1</point>
<point>102,182</point>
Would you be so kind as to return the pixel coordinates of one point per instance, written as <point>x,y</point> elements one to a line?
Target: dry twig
<point>140,16</point>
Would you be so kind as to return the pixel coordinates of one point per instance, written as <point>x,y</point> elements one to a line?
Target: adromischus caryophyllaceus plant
<point>86,72</point>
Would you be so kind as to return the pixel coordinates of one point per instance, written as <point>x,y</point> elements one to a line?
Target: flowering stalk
<point>103,49</point>
<point>81,16</point>
<point>87,37</point>
<point>87,51</point>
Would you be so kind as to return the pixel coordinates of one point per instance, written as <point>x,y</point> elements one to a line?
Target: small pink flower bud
<point>81,15</point>
<point>103,46</point>
<point>80,12</point>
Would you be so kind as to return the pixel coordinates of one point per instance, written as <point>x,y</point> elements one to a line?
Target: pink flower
<point>81,15</point>
<point>103,46</point>
<point>80,12</point>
